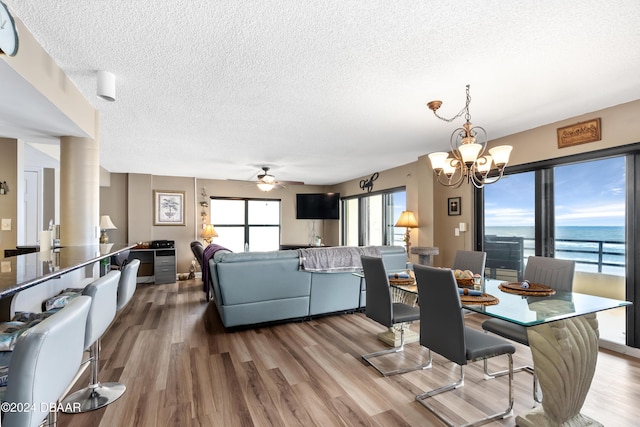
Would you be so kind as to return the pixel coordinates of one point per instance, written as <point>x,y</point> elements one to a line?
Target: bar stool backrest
<point>45,360</point>
<point>127,284</point>
<point>104,298</point>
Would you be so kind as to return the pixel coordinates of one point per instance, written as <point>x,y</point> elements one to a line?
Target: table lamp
<point>407,219</point>
<point>208,233</point>
<point>106,224</point>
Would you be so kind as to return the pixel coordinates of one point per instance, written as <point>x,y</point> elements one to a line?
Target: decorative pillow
<point>9,333</point>
<point>4,377</point>
<point>62,299</point>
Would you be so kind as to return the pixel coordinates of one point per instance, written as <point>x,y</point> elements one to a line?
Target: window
<point>369,219</point>
<point>563,212</point>
<point>571,211</point>
<point>246,224</point>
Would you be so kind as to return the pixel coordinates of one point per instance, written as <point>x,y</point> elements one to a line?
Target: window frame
<point>387,225</point>
<point>246,225</point>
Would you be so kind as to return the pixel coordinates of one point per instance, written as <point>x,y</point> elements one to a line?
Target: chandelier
<point>467,161</point>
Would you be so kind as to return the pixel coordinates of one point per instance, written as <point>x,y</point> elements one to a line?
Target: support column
<point>79,191</point>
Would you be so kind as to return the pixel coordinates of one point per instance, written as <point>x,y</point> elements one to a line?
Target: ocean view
<point>583,244</point>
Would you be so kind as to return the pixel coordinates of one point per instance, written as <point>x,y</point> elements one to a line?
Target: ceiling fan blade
<point>291,182</point>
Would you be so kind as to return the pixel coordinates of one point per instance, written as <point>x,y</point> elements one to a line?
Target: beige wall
<point>9,201</point>
<point>48,197</point>
<point>114,202</point>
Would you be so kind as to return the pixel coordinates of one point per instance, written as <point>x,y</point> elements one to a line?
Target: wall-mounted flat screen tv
<point>318,206</point>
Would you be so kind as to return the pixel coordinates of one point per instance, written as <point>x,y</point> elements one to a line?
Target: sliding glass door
<point>569,211</point>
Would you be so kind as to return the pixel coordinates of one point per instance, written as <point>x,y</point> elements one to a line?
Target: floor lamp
<point>407,219</point>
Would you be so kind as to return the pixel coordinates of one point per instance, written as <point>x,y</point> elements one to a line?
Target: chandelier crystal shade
<point>467,161</point>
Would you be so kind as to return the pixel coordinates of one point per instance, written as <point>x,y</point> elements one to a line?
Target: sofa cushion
<point>261,280</point>
<point>226,256</point>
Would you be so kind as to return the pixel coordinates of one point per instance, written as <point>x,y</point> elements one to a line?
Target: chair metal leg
<point>527,368</point>
<point>97,394</point>
<point>421,398</point>
<point>368,357</point>
<point>52,418</point>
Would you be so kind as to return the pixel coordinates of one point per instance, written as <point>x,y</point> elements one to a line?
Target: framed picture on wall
<point>454,206</point>
<point>169,207</point>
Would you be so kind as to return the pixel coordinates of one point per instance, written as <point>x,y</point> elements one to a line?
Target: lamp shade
<point>407,219</point>
<point>106,223</point>
<point>501,154</point>
<point>209,232</point>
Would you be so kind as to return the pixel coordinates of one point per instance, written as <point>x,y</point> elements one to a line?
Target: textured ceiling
<point>326,91</point>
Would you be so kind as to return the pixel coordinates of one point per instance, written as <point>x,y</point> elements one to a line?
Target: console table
<point>156,265</point>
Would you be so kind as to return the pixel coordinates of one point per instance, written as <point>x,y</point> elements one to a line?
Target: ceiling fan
<point>267,182</point>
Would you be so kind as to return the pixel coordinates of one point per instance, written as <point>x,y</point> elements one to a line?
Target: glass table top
<point>535,310</point>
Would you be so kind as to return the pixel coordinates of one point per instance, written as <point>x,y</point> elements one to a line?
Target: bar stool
<point>127,284</point>
<point>45,361</point>
<point>103,310</point>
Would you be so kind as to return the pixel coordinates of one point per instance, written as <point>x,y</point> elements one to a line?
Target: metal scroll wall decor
<point>367,184</point>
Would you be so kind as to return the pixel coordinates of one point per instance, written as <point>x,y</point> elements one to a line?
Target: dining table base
<point>564,357</point>
<point>392,336</point>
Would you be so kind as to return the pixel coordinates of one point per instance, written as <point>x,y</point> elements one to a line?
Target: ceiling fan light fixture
<point>269,179</point>
<point>265,186</point>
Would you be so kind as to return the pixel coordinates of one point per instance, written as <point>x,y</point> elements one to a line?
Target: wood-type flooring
<point>182,368</point>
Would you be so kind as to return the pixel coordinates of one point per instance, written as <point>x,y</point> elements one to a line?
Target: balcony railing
<point>595,256</point>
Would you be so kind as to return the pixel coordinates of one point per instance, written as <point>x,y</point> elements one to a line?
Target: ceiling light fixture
<point>266,181</point>
<point>264,186</point>
<point>467,147</point>
<point>106,86</point>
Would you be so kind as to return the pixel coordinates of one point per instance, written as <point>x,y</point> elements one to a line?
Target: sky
<point>586,194</point>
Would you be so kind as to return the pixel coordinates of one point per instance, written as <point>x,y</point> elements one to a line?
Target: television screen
<point>318,206</point>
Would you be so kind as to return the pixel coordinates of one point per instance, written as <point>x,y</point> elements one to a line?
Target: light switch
<point>6,224</point>
<point>5,267</point>
<point>456,231</point>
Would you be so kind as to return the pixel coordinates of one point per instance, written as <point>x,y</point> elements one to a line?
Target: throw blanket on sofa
<point>209,252</point>
<point>335,259</point>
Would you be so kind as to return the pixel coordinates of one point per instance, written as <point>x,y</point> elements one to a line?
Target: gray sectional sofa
<point>256,287</point>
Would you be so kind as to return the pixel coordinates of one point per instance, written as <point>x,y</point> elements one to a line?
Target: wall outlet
<point>463,226</point>
<point>456,231</point>
<point>6,224</point>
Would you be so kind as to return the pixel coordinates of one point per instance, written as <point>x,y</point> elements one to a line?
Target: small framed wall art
<point>454,206</point>
<point>579,133</point>
<point>169,207</point>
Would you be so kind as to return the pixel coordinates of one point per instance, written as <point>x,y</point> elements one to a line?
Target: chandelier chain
<point>465,111</point>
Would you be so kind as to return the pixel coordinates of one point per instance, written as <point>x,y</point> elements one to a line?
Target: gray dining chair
<point>442,330</point>
<point>553,272</point>
<point>381,308</point>
<point>470,260</point>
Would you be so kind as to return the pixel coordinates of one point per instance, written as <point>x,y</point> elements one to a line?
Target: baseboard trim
<point>620,348</point>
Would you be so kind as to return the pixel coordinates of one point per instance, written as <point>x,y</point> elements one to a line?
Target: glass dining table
<point>562,330</point>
